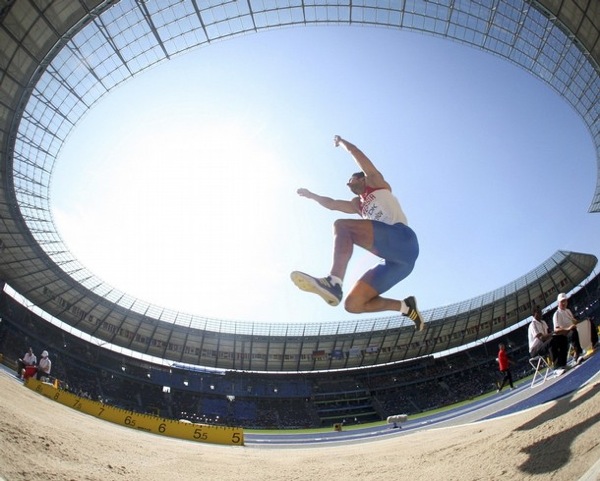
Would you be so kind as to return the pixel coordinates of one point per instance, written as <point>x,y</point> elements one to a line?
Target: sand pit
<point>43,440</point>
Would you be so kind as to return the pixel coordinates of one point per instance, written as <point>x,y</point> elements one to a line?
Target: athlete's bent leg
<point>365,295</point>
<point>363,298</point>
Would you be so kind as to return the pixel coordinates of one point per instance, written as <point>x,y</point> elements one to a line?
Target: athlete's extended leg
<point>346,232</point>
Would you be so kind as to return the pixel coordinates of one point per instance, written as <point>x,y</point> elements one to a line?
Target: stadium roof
<point>59,59</point>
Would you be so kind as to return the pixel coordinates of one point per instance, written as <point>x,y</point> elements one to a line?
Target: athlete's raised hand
<point>302,192</point>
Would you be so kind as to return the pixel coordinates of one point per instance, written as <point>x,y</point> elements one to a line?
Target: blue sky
<point>179,187</point>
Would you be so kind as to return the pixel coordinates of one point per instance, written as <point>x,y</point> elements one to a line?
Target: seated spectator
<point>44,366</point>
<point>541,341</point>
<point>565,330</point>
<point>28,359</point>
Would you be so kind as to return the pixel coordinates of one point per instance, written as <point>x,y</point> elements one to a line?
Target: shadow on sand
<point>551,453</point>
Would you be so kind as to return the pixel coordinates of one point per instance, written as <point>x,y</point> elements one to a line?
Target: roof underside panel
<point>59,59</point>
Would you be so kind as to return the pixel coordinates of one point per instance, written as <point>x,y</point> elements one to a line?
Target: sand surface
<point>43,440</point>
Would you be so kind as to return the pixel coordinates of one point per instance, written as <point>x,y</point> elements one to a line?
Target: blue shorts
<point>398,247</point>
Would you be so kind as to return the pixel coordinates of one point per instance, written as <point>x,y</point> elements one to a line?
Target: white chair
<point>542,370</point>
<point>584,329</point>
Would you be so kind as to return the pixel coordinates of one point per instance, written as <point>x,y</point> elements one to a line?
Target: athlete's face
<point>356,184</point>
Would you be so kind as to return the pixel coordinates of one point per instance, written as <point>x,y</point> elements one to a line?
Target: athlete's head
<point>357,183</point>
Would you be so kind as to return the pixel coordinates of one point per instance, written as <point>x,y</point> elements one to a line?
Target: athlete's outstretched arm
<point>374,177</point>
<point>346,206</point>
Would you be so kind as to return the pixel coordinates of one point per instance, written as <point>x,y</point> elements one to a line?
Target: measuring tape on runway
<point>203,433</point>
